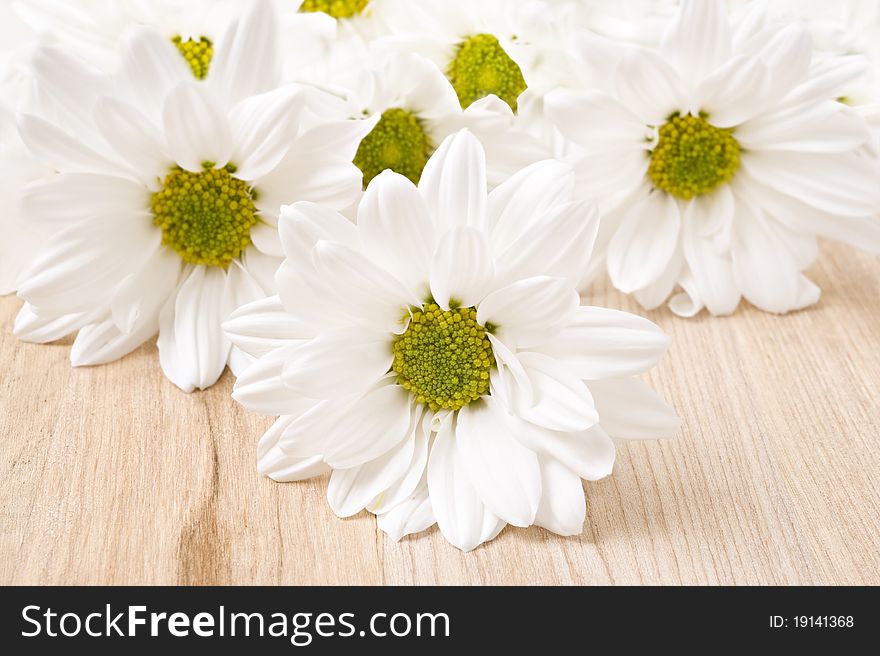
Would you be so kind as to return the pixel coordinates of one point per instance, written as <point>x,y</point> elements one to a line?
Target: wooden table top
<point>111,475</point>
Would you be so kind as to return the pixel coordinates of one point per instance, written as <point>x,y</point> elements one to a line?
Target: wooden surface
<point>111,475</point>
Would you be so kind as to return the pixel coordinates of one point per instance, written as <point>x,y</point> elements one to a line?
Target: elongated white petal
<point>369,428</point>
<point>192,347</point>
<point>414,515</point>
<point>246,61</point>
<point>630,410</point>
<point>555,398</point>
<point>563,507</point>
<point>30,327</point>
<point>603,343</point>
<point>611,124</point>
<point>195,129</point>
<point>558,244</point>
<point>339,362</point>
<point>461,515</point>
<point>102,343</point>
<point>504,473</point>
<point>71,197</point>
<point>273,462</point>
<point>395,229</point>
<point>151,68</point>
<point>462,268</point>
<point>649,86</point>
<point>528,312</point>
<point>351,490</point>
<point>134,137</point>
<point>453,183</point>
<point>263,130</point>
<point>643,245</point>
<point>527,195</point>
<point>589,454</point>
<point>698,39</point>
<point>142,294</point>
<point>263,326</point>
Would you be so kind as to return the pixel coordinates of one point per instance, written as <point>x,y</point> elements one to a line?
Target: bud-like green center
<point>197,53</point>
<point>206,217</point>
<point>693,157</point>
<point>444,357</point>
<point>481,67</point>
<point>335,8</point>
<point>398,142</point>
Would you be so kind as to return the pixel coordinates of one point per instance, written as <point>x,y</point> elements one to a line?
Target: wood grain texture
<point>112,476</point>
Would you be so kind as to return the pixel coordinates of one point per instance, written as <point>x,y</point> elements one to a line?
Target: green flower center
<point>197,53</point>
<point>398,142</point>
<point>480,68</point>
<point>693,157</point>
<point>335,8</point>
<point>444,357</point>
<point>206,217</point>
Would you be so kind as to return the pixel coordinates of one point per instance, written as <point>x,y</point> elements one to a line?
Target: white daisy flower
<point>436,357</point>
<point>164,211</point>
<point>719,159</point>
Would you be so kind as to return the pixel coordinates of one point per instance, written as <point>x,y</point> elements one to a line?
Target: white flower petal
<point>260,388</point>
<point>816,128</point>
<point>504,473</point>
<point>563,507</point>
<point>699,38</point>
<point>368,293</point>
<point>589,454</point>
<point>630,410</point>
<point>263,326</point>
<point>195,129</point>
<point>369,428</point>
<point>528,312</point>
<point>414,477</point>
<point>515,204</point>
<point>453,183</point>
<point>142,294</point>
<point>765,270</point>
<point>604,343</point>
<point>351,490</point>
<point>558,244</point>
<point>414,515</point>
<point>395,229</point>
<point>246,61</point>
<point>555,398</point>
<point>134,137</point>
<point>712,272</point>
<point>842,184</point>
<point>339,362</point>
<point>643,245</point>
<point>273,462</point>
<point>30,327</point>
<point>462,269</point>
<point>83,264</point>
<point>102,343</point>
<point>67,198</point>
<point>460,513</point>
<point>263,130</point>
<point>151,68</point>
<point>649,86</point>
<point>655,294</point>
<point>611,122</point>
<point>58,150</point>
<point>192,347</point>
<point>734,93</point>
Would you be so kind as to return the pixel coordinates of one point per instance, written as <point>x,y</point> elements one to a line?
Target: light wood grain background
<point>112,476</point>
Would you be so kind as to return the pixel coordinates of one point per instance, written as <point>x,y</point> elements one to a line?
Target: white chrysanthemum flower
<point>719,159</point>
<point>436,356</point>
<point>164,210</point>
<point>419,109</point>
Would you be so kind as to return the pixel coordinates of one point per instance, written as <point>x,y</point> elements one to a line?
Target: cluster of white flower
<point>380,213</point>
